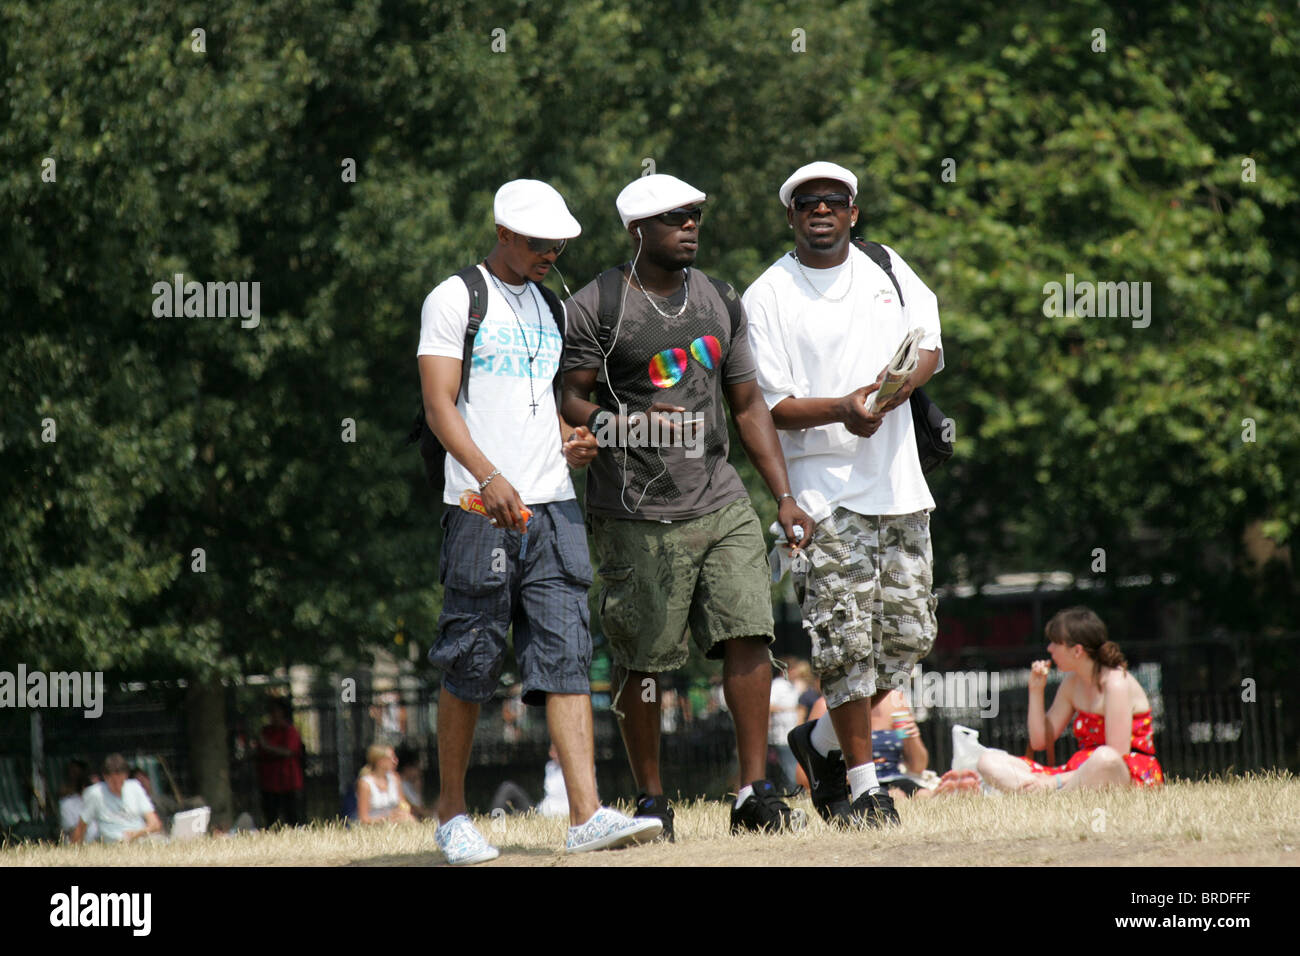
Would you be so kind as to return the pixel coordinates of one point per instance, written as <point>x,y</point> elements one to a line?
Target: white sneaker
<point>461,843</point>
<point>608,829</point>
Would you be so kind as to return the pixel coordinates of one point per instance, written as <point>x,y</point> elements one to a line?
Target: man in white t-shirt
<point>118,806</point>
<point>524,562</point>
<point>825,321</point>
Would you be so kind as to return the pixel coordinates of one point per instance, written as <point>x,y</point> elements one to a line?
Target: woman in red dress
<point>1104,703</point>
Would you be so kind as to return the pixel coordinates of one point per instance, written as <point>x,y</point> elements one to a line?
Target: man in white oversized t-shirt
<point>522,566</point>
<point>824,322</point>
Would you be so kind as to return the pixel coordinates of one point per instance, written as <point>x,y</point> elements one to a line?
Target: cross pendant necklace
<point>528,350</point>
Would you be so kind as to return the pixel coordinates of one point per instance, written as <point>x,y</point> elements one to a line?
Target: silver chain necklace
<point>686,284</point>
<point>532,353</point>
<point>820,293</point>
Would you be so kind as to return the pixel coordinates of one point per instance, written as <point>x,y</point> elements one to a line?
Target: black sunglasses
<point>807,201</point>
<point>678,217</point>
<point>542,246</point>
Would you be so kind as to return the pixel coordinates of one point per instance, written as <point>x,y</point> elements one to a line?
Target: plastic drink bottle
<point>472,501</point>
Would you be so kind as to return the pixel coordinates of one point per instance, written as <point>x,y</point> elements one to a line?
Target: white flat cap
<point>819,170</point>
<point>651,195</point>
<point>532,208</point>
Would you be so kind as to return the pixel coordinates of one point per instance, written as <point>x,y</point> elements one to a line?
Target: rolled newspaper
<point>902,365</point>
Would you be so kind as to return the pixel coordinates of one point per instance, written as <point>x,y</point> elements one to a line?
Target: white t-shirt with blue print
<point>526,447</point>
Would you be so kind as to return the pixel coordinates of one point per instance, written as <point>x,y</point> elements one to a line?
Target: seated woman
<point>379,791</point>
<point>1109,710</point>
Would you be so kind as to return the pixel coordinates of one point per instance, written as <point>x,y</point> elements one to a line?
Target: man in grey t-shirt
<point>678,543</point>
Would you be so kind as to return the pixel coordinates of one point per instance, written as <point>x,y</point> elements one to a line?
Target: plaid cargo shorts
<point>867,601</point>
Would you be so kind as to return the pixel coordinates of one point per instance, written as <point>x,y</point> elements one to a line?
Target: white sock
<point>862,779</point>
<point>823,736</point>
<point>746,792</point>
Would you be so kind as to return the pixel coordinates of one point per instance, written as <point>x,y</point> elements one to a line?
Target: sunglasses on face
<point>543,246</point>
<point>807,201</point>
<point>678,217</point>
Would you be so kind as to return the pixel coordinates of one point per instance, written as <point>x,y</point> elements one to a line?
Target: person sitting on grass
<point>118,806</point>
<point>1110,713</point>
<point>379,790</point>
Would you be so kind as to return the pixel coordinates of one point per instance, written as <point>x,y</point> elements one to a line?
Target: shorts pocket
<point>571,546</point>
<point>840,626</point>
<point>475,558</point>
<point>616,585</point>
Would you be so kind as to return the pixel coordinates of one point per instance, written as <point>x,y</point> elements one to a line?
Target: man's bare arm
<point>576,406</point>
<point>758,435</point>
<point>439,387</point>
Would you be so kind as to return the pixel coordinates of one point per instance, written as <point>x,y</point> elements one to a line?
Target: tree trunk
<point>205,726</point>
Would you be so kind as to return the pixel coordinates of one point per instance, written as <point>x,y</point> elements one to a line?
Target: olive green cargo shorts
<point>708,573</point>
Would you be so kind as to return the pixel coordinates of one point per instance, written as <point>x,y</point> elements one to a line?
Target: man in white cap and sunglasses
<point>825,320</point>
<point>680,547</point>
<point>523,560</point>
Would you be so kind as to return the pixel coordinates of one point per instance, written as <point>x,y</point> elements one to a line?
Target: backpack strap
<point>478,302</point>
<point>610,287</point>
<point>880,256</point>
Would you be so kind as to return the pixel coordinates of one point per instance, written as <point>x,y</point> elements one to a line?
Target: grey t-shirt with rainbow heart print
<point>683,361</point>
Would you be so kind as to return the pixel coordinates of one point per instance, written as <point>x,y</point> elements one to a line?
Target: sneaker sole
<point>666,836</point>
<point>644,830</point>
<point>491,853</point>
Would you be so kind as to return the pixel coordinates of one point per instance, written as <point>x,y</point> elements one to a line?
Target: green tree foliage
<point>228,165</point>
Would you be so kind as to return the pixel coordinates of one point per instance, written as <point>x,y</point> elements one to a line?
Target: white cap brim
<point>651,195</point>
<point>533,208</point>
<point>818,170</point>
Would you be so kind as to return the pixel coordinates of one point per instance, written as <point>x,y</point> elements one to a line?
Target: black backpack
<point>610,288</point>
<point>927,419</point>
<point>431,449</point>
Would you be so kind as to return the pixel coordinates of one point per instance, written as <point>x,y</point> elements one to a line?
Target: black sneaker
<point>764,812</point>
<point>827,776</point>
<point>875,810</point>
<point>657,806</point>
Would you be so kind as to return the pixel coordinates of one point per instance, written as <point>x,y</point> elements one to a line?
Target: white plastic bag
<point>966,752</point>
<point>966,747</point>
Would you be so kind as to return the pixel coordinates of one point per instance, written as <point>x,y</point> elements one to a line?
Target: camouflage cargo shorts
<point>867,601</point>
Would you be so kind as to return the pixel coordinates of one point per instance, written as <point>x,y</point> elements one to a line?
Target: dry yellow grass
<point>1247,821</point>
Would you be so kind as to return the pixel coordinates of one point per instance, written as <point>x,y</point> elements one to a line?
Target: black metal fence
<point>1195,735</point>
<point>1207,716</point>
